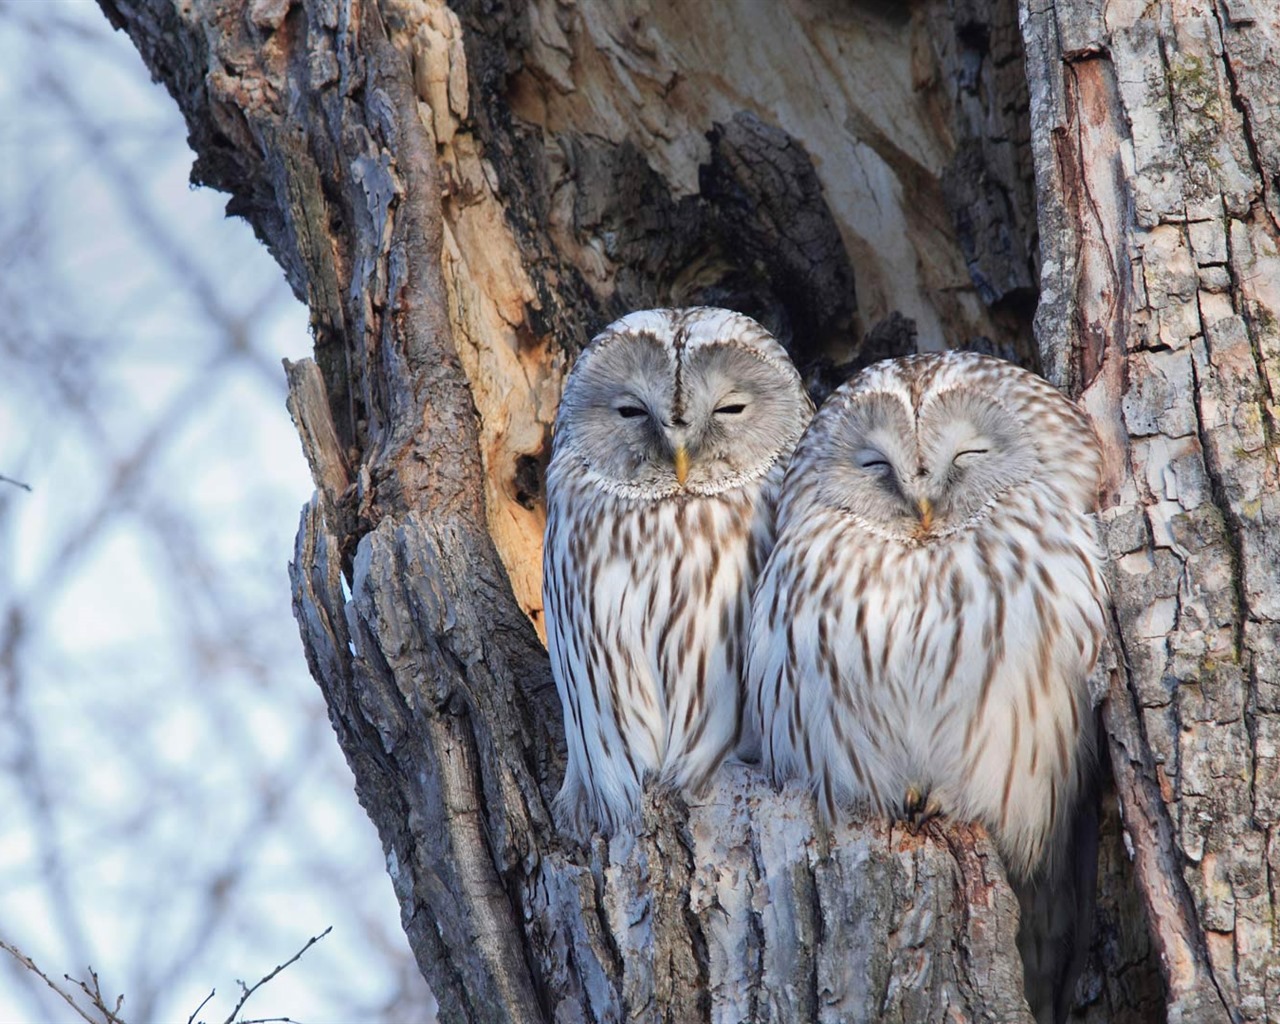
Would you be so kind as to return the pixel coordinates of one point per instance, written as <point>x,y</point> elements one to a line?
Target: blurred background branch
<point>173,807</point>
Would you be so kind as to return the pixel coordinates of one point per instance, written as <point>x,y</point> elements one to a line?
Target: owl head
<point>670,401</point>
<point>916,449</point>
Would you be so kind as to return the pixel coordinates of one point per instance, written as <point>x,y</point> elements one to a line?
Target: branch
<point>192,1018</point>
<point>262,981</point>
<point>16,483</point>
<point>95,995</point>
<point>270,1020</point>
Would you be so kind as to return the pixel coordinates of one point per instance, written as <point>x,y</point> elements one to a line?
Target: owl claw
<point>919,806</point>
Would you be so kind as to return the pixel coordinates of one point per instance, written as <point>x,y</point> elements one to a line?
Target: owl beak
<point>924,508</point>
<point>682,464</point>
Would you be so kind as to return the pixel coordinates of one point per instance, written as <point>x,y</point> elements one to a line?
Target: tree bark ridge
<point>1156,210</point>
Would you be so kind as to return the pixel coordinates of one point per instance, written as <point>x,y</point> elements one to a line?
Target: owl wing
<point>791,684</point>
<point>611,738</point>
<point>814,690</point>
<point>767,732</point>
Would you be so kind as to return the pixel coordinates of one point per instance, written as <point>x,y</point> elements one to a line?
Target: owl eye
<point>731,410</point>
<point>629,412</point>
<point>872,461</point>
<point>968,456</point>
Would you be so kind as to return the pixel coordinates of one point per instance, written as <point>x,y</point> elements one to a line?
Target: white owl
<point>670,443</point>
<point>923,630</point>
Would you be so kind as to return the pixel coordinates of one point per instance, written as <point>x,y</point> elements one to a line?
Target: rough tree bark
<point>464,193</point>
<point>1158,154</point>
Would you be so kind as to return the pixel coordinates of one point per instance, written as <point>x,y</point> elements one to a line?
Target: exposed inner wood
<point>760,156</point>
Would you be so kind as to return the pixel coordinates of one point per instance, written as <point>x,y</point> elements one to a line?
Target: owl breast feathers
<point>923,630</point>
<point>670,444</point>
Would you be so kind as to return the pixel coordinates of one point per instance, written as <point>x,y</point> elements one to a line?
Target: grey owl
<point>923,630</point>
<point>670,444</point>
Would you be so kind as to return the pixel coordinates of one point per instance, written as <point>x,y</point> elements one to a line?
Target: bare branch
<point>270,1020</point>
<point>192,1018</point>
<point>95,994</point>
<point>30,965</point>
<point>16,483</point>
<point>262,981</point>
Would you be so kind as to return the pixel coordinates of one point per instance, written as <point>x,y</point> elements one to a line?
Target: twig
<point>95,995</point>
<point>192,1018</point>
<point>16,483</point>
<point>30,965</point>
<point>270,1020</point>
<point>231,1019</point>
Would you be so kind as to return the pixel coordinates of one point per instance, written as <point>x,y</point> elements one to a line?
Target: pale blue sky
<point>174,809</point>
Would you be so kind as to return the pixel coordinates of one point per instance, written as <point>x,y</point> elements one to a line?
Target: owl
<point>670,445</point>
<point>922,632</point>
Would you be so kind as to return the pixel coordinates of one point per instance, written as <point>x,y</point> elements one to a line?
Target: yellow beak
<point>925,509</point>
<point>682,464</point>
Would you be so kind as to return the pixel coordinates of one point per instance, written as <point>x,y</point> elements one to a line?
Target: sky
<point>174,809</point>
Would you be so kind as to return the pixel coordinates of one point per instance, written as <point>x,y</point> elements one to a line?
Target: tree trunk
<point>464,194</point>
<point>1158,157</point>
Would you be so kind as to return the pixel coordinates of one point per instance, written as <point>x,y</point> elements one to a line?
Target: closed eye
<point>628,412</point>
<point>872,461</point>
<point>969,455</point>
<point>731,410</point>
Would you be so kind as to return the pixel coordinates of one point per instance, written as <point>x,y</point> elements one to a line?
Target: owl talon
<point>919,806</point>
<point>932,809</point>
